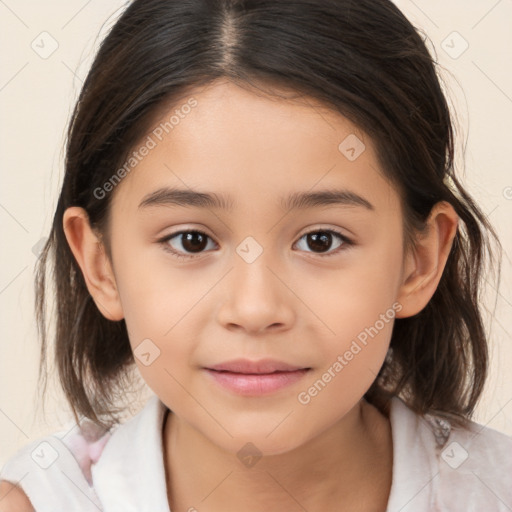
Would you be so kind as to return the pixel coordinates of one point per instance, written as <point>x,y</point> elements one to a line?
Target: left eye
<point>321,241</point>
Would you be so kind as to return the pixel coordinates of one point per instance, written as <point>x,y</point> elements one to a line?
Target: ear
<point>425,264</point>
<point>90,255</point>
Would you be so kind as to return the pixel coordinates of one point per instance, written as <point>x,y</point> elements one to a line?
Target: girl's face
<point>255,285</point>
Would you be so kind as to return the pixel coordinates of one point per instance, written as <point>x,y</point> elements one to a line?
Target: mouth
<point>253,378</point>
<point>264,366</point>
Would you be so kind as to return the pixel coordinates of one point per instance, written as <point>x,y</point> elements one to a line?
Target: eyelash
<point>346,242</point>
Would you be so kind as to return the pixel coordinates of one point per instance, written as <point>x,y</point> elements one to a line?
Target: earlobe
<point>90,255</point>
<point>424,266</point>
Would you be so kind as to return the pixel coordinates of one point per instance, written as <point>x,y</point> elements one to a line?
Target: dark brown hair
<point>364,60</point>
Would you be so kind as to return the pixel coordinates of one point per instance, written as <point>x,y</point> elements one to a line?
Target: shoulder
<point>474,445</point>
<point>54,472</point>
<point>472,464</point>
<point>13,498</point>
<point>440,466</point>
<point>475,466</point>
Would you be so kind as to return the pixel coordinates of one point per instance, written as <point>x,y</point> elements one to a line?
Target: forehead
<point>244,145</point>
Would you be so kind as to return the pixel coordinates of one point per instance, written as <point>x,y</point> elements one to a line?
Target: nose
<point>256,298</point>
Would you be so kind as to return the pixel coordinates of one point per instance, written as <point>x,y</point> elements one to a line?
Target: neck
<point>347,467</point>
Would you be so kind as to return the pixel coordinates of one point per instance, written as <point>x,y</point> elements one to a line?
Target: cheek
<point>337,387</point>
<point>352,354</point>
<point>356,294</point>
<point>158,303</point>
<point>358,307</point>
<point>161,344</point>
<point>154,294</point>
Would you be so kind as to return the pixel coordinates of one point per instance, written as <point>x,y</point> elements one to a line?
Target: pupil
<point>194,241</point>
<point>319,241</point>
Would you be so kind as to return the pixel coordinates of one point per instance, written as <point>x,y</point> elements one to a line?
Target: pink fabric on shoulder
<point>86,445</point>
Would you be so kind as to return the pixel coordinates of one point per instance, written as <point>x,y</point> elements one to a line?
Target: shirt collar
<point>415,465</point>
<point>130,474</point>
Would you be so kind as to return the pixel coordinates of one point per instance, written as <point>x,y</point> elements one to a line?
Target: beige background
<point>37,92</point>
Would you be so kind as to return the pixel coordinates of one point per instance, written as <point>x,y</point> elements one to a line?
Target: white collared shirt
<point>435,467</point>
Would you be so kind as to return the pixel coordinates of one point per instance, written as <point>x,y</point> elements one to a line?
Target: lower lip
<point>254,385</point>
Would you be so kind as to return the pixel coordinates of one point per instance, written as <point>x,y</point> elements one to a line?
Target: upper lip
<point>262,366</point>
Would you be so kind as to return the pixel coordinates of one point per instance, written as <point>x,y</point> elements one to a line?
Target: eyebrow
<point>297,200</point>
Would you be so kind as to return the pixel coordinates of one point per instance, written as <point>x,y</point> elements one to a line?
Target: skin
<point>292,303</point>
<point>13,498</point>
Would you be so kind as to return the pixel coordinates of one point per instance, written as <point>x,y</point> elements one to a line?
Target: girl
<point>260,214</point>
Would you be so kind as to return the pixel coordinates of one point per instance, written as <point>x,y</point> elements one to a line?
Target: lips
<point>264,366</point>
<point>255,378</point>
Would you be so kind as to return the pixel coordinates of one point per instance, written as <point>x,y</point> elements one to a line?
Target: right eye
<point>181,242</point>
